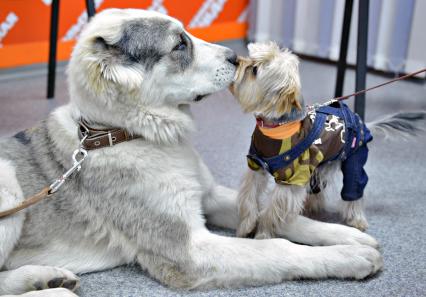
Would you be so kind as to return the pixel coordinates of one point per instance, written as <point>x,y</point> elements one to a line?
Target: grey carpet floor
<point>395,196</point>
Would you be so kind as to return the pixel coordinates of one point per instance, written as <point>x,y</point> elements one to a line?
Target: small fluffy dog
<point>302,149</point>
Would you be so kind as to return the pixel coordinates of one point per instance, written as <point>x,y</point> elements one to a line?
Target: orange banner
<point>24,24</point>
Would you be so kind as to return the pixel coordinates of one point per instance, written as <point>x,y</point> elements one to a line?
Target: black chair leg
<point>54,21</point>
<point>90,4</point>
<point>344,42</point>
<point>361,57</point>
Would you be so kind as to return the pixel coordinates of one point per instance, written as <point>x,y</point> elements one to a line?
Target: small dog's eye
<point>254,70</point>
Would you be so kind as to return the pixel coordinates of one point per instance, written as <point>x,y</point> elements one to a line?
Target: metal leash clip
<point>315,106</point>
<point>78,157</point>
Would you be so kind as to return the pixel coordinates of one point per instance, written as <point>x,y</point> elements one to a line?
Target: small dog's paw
<point>353,214</point>
<point>263,235</point>
<point>247,227</point>
<point>35,277</point>
<point>359,223</point>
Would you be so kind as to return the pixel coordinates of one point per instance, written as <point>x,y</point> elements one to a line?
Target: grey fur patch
<point>183,58</point>
<point>141,41</point>
<point>89,203</point>
<point>22,137</point>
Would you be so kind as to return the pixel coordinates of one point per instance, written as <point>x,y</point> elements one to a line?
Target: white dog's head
<point>135,60</point>
<point>267,82</point>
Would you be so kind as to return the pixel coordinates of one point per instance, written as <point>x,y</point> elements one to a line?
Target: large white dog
<point>146,200</point>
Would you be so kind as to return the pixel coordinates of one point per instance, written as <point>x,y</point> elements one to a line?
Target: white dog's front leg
<point>225,261</point>
<point>308,231</point>
<point>226,208</point>
<point>221,207</point>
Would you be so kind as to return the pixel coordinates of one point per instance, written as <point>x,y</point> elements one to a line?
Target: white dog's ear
<point>114,68</point>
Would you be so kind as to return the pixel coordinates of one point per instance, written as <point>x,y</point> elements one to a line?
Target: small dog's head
<point>267,82</point>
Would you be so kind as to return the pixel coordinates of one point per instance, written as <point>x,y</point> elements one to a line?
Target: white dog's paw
<point>35,277</point>
<point>355,236</point>
<point>356,262</point>
<point>58,292</point>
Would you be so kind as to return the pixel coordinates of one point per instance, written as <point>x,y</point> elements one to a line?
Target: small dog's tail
<point>402,124</point>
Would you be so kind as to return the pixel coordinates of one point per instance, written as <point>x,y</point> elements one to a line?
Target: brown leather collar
<point>99,138</point>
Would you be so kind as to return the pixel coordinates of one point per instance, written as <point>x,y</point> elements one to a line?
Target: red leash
<point>260,122</point>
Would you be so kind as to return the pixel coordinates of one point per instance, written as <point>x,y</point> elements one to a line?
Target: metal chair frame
<point>53,43</point>
<point>361,54</point>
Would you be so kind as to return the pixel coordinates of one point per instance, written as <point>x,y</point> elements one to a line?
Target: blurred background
<point>396,39</point>
<point>24,24</point>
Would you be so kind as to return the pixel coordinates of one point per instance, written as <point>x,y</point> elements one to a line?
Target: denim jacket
<point>327,134</point>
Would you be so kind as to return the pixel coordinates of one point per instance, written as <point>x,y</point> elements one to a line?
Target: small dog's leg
<point>254,184</point>
<point>353,214</point>
<point>314,204</point>
<point>34,277</point>
<point>286,203</point>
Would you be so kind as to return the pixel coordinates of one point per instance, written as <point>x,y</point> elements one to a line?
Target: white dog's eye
<point>180,46</point>
<point>254,70</point>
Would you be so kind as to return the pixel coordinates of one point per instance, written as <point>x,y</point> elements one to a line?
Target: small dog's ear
<point>290,89</point>
<point>288,99</point>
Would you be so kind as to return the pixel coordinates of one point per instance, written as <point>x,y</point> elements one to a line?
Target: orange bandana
<point>282,131</point>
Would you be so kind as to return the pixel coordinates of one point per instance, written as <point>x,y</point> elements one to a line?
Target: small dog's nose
<point>233,59</point>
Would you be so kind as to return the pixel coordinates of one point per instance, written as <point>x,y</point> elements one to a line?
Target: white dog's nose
<point>232,58</point>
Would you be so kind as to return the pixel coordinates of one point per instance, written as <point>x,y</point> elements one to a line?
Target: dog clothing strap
<point>272,164</point>
<point>353,126</point>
